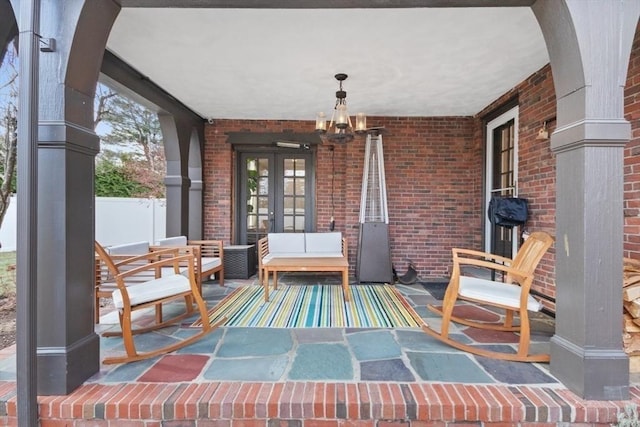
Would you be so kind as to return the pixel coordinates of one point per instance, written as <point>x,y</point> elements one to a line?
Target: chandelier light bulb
<point>342,117</point>
<point>361,122</point>
<point>321,122</point>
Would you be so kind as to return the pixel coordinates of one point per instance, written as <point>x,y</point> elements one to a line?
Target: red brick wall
<point>632,156</point>
<point>433,171</point>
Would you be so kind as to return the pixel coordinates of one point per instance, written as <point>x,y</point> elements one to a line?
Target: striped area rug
<point>316,306</point>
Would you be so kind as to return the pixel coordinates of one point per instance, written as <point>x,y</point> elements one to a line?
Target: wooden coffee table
<point>340,265</point>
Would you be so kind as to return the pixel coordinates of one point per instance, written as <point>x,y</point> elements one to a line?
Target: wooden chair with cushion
<point>105,282</point>
<point>157,288</point>
<point>511,294</point>
<point>209,256</point>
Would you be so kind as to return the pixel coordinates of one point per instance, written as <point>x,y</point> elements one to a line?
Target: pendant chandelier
<point>342,130</point>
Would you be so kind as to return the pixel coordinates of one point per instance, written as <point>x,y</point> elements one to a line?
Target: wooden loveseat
<point>317,252</point>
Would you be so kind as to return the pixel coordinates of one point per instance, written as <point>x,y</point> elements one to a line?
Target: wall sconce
<point>543,133</point>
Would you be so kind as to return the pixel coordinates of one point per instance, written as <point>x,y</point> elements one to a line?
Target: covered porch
<point>584,161</point>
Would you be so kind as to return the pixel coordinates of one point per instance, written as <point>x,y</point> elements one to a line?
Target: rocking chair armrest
<point>520,276</point>
<point>457,252</point>
<point>149,256</point>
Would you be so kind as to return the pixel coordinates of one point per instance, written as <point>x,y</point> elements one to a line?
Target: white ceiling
<point>280,63</point>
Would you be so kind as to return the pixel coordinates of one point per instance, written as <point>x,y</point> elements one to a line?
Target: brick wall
<point>632,156</point>
<point>433,171</point>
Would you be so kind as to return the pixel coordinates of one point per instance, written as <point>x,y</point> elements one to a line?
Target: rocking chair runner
<point>157,289</point>
<point>512,295</point>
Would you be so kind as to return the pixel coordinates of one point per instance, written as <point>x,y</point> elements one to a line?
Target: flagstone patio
<point>318,376</point>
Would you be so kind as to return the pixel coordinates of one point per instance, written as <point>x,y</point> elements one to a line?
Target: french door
<point>502,178</point>
<point>275,194</point>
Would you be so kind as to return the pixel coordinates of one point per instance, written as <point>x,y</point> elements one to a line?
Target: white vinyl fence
<point>118,220</point>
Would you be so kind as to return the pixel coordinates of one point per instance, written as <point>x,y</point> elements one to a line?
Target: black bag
<point>508,211</point>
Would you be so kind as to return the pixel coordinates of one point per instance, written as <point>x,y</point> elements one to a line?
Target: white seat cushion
<point>283,255</point>
<point>173,241</point>
<point>320,255</point>
<point>495,292</point>
<point>209,263</point>
<point>152,290</point>
<point>136,248</point>
<point>323,242</point>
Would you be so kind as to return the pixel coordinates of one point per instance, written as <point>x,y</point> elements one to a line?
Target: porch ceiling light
<point>340,121</point>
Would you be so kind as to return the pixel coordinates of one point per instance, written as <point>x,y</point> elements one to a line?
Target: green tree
<point>112,180</point>
<point>131,141</point>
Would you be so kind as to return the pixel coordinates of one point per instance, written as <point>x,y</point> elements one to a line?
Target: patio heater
<point>374,255</point>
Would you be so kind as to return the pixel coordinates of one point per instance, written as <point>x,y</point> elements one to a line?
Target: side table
<point>239,261</point>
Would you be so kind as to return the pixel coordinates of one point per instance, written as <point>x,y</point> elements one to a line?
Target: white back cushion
<point>286,242</point>
<point>136,248</point>
<point>173,241</point>
<point>324,242</point>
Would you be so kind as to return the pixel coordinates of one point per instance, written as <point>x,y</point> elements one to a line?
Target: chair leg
<point>525,334</point>
<point>448,304</point>
<point>508,319</point>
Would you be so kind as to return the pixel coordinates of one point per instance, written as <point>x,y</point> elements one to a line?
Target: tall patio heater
<point>374,254</point>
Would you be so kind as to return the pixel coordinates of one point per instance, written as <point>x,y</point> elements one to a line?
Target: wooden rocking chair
<point>510,294</point>
<point>152,292</point>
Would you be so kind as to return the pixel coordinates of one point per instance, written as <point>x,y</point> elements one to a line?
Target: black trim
<point>271,138</point>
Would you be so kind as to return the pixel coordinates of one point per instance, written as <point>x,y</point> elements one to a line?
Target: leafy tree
<point>113,181</point>
<point>131,141</point>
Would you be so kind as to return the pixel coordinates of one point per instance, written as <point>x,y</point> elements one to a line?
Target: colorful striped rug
<point>316,306</point>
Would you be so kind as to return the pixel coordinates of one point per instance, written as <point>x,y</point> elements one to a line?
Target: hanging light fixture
<point>343,130</point>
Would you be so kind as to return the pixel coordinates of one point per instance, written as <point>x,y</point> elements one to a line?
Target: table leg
<point>345,285</point>
<point>265,284</point>
<point>275,279</point>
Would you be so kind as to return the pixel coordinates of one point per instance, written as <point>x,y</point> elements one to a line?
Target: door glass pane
<point>257,202</point>
<point>288,186</point>
<point>294,182</point>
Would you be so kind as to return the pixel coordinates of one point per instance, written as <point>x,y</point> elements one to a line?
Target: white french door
<point>501,178</point>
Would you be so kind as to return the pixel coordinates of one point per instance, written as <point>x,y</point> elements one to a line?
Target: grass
<point>7,274</point>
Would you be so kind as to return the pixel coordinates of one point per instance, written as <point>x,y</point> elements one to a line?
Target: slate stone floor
<point>323,354</point>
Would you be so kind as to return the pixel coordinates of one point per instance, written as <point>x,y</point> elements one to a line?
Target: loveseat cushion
<point>495,292</point>
<point>318,243</point>
<point>152,290</point>
<point>136,248</point>
<point>290,243</point>
<point>173,241</point>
